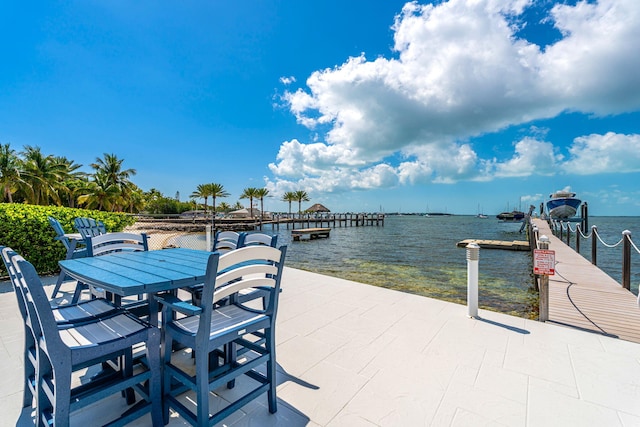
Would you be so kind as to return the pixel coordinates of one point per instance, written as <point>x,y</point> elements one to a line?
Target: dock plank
<point>581,295</point>
<point>514,245</point>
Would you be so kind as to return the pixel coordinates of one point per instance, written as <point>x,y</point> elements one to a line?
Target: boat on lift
<point>562,204</point>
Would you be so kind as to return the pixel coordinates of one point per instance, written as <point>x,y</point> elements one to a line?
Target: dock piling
<point>594,247</point>
<point>626,259</point>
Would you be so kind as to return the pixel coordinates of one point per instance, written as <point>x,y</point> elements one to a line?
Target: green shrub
<point>26,229</point>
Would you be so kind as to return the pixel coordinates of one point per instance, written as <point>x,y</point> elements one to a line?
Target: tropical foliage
<point>250,193</point>
<point>301,196</point>
<point>26,229</point>
<point>36,178</point>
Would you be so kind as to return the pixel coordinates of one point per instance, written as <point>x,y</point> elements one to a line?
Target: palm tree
<point>215,191</point>
<point>99,194</point>
<point>9,171</point>
<point>224,207</point>
<point>135,200</point>
<point>111,167</point>
<point>202,191</point>
<point>250,193</point>
<point>112,174</point>
<point>261,193</point>
<point>42,174</point>
<point>289,196</point>
<point>73,181</point>
<point>301,196</point>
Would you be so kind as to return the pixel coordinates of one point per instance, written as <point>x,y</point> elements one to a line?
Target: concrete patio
<point>351,354</point>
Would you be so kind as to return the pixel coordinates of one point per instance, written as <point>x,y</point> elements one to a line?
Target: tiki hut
<point>318,208</point>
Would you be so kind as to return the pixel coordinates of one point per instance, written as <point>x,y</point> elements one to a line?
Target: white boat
<point>562,204</point>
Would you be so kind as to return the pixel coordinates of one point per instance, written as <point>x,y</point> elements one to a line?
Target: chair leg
<point>230,357</point>
<point>43,405</point>
<point>62,397</point>
<point>271,369</point>
<point>202,388</point>
<point>155,383</point>
<point>166,380</point>
<point>56,288</point>
<point>127,372</point>
<point>78,292</point>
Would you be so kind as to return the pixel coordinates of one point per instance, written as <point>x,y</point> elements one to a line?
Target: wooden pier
<point>515,245</point>
<point>313,233</point>
<point>328,220</point>
<point>583,296</point>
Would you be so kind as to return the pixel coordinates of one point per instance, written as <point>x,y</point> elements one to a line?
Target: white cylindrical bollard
<point>473,257</point>
<point>208,236</point>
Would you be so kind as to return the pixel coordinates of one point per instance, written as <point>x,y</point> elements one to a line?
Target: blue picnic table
<point>133,273</point>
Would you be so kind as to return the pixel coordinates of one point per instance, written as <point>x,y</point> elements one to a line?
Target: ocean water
<point>418,254</point>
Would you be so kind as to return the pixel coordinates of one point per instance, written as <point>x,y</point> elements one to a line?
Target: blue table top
<point>134,273</point>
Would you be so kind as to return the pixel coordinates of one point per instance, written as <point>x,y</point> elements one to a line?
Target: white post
<point>208,236</point>
<point>543,288</point>
<point>473,257</point>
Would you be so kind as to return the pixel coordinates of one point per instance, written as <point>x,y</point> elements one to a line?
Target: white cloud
<point>460,71</point>
<point>287,80</point>
<point>531,157</point>
<point>612,152</point>
<point>595,67</point>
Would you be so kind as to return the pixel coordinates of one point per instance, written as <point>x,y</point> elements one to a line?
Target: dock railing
<point>563,230</point>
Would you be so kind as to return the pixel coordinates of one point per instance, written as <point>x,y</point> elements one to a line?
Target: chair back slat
<point>257,239</point>
<point>60,234</point>
<point>117,242</point>
<point>244,268</point>
<point>226,241</point>
<point>242,271</point>
<point>89,227</point>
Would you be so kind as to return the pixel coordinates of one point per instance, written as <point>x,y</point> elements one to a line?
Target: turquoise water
<point>418,254</point>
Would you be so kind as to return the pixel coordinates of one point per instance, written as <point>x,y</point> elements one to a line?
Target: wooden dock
<point>313,233</point>
<point>583,296</point>
<point>515,245</point>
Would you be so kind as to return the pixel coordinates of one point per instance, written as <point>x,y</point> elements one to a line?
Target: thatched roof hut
<point>318,208</point>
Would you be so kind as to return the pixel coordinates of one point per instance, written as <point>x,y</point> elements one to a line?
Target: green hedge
<point>26,229</point>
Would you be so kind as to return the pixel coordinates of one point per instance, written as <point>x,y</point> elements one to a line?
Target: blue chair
<point>217,333</point>
<point>225,241</point>
<point>89,227</point>
<point>73,251</point>
<point>61,351</point>
<point>65,316</point>
<point>256,239</point>
<point>103,244</point>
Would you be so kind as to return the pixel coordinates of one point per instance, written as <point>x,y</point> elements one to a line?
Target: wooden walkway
<point>581,295</point>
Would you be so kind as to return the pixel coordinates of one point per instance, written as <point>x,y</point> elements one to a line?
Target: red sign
<point>544,262</point>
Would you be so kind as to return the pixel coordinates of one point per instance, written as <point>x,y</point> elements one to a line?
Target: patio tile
<point>351,354</point>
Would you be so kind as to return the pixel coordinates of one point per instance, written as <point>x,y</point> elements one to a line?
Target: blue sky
<point>450,106</point>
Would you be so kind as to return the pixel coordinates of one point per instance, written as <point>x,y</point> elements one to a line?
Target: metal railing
<point>563,230</point>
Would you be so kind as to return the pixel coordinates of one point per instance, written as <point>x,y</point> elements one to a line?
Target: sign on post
<point>544,262</point>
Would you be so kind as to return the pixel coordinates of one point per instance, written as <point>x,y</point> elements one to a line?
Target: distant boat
<point>513,216</point>
<point>480,214</point>
<point>562,204</point>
